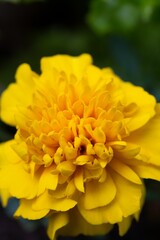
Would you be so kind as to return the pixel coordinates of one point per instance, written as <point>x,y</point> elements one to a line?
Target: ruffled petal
<point>78,180</point>
<point>13,176</point>
<point>145,170</point>
<point>124,225</point>
<point>18,94</point>
<point>98,194</point>
<point>47,201</point>
<point>5,195</point>
<point>57,221</point>
<point>145,102</point>
<point>7,155</point>
<point>131,203</point>
<point>125,171</point>
<point>111,213</point>
<point>93,77</point>
<point>147,138</point>
<point>47,181</point>
<point>120,207</point>
<point>69,65</point>
<point>20,184</point>
<point>78,225</point>
<point>25,210</point>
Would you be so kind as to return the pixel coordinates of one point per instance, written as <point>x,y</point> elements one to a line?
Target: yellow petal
<point>122,206</point>
<point>118,145</point>
<point>125,171</point>
<point>103,152</point>
<point>66,168</point>
<point>78,225</point>
<point>137,214</point>
<point>148,138</point>
<point>78,179</point>
<point>4,195</point>
<point>70,189</point>
<point>78,108</point>
<point>25,210</point>
<point>20,184</point>
<point>93,77</point>
<point>114,130</point>
<point>144,101</point>
<point>91,171</point>
<point>57,221</point>
<point>98,194</point>
<point>128,194</point>
<point>67,64</point>
<point>99,135</point>
<point>129,152</point>
<point>111,213</point>
<point>21,149</point>
<point>47,201</point>
<point>124,225</point>
<point>47,181</point>
<point>7,155</point>
<point>146,170</point>
<point>13,175</point>
<point>83,159</point>
<point>13,97</point>
<point>143,169</point>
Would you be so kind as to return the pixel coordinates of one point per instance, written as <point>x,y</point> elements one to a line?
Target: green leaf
<point>109,16</point>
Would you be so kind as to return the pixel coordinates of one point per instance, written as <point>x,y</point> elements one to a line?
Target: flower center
<point>73,127</point>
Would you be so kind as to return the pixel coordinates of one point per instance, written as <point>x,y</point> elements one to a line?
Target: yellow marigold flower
<point>85,140</point>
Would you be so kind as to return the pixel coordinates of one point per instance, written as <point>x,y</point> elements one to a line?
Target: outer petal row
<point>67,64</point>
<point>145,102</point>
<point>147,138</point>
<point>72,224</point>
<point>18,94</point>
<point>13,175</point>
<point>120,207</point>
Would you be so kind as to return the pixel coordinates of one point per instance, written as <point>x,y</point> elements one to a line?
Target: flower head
<point>85,139</point>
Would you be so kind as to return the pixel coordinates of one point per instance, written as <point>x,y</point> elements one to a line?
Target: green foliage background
<point>121,34</point>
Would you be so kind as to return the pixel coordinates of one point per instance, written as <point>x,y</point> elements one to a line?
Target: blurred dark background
<point>121,34</point>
